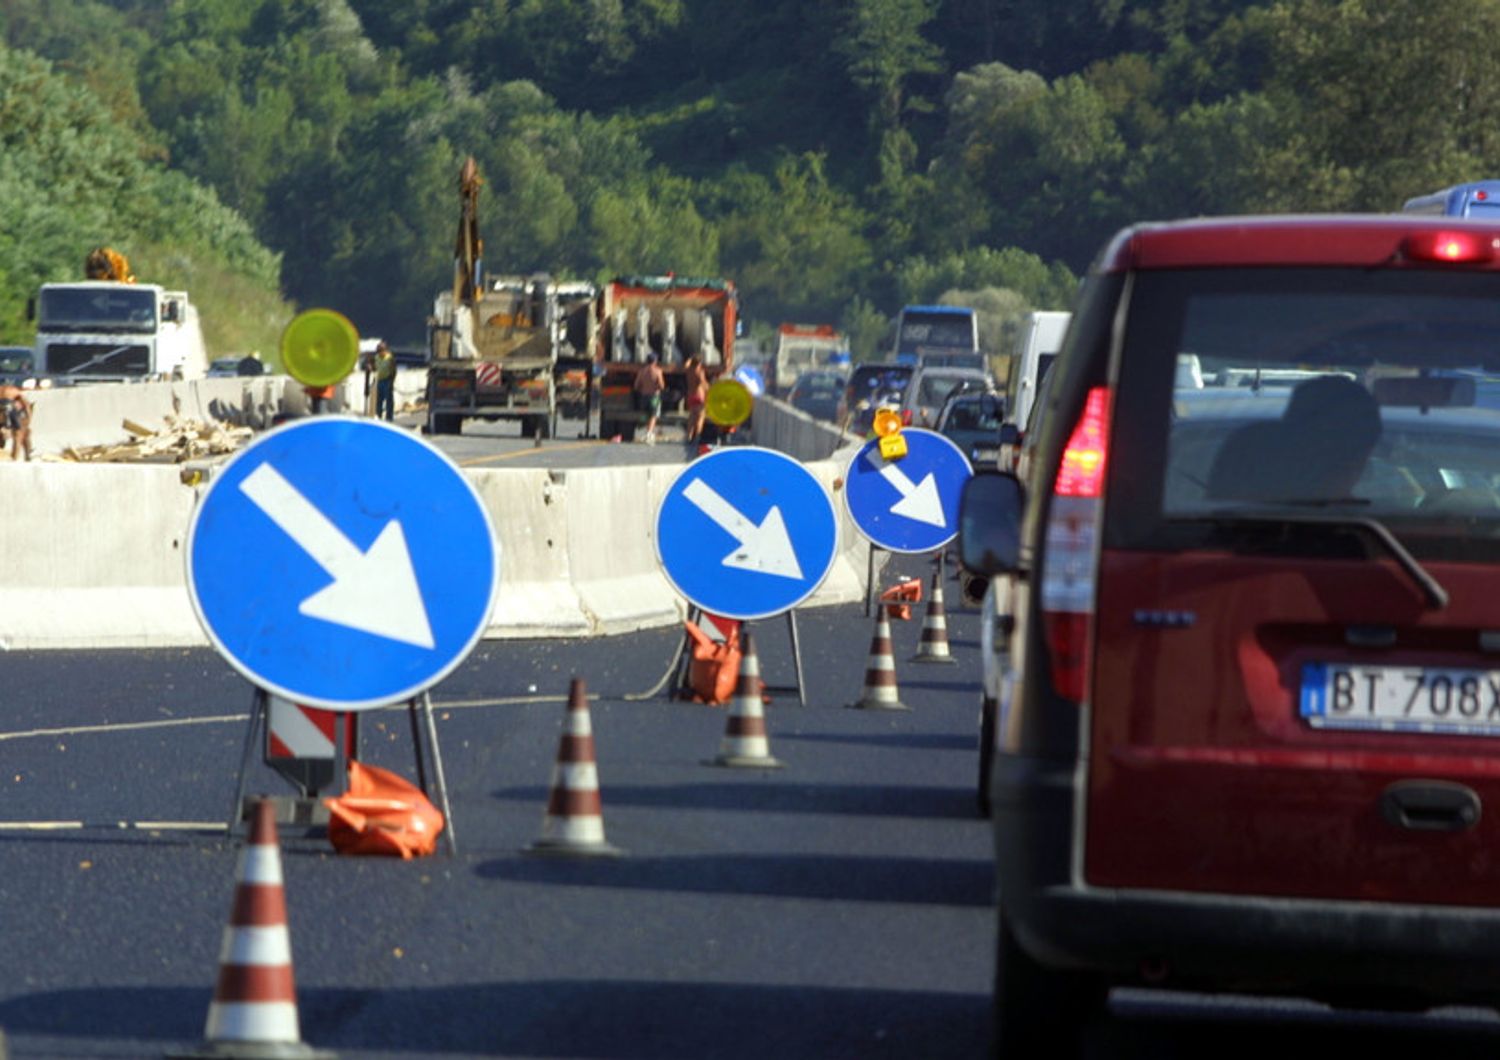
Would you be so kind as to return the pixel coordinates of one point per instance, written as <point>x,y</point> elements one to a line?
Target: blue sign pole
<point>342,563</point>
<point>746,533</point>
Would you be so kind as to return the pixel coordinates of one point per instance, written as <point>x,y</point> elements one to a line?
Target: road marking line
<point>219,719</point>
<point>145,826</point>
<point>123,726</point>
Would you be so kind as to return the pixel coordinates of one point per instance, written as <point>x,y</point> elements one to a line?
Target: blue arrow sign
<point>746,533</point>
<point>342,563</point>
<point>909,504</point>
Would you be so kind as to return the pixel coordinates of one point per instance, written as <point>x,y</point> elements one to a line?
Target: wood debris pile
<point>179,440</point>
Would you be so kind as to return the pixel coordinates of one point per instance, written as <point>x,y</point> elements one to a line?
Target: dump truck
<point>504,347</point>
<point>108,327</point>
<point>670,316</point>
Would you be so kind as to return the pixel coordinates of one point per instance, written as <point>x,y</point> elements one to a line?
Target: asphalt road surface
<point>838,907</point>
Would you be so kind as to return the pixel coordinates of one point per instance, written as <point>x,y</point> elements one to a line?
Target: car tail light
<point>1460,248</point>
<point>906,417</point>
<point>1070,554</point>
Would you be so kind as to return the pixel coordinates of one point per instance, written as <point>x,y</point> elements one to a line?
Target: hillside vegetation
<point>835,159</point>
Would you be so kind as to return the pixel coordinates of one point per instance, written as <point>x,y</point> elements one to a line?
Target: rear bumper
<point>1195,940</point>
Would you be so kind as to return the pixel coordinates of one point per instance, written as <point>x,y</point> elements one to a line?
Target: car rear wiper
<point>1432,589</point>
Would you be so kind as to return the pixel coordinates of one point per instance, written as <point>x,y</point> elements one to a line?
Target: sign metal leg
<point>258,706</point>
<point>791,626</point>
<point>416,744</point>
<point>441,786</point>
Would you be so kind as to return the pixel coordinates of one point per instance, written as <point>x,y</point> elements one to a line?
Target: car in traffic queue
<point>16,365</point>
<point>930,386</point>
<point>1249,739</point>
<point>817,393</point>
<point>872,386</point>
<point>970,419</point>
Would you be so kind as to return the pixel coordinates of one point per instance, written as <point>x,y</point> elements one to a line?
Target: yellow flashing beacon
<point>887,427</point>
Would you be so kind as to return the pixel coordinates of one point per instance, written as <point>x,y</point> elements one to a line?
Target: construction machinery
<point>503,347</point>
<point>671,317</point>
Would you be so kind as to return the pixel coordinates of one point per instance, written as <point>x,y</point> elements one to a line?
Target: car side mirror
<point>169,312</point>
<point>989,523</point>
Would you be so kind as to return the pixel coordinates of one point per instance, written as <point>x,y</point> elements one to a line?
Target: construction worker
<point>649,383</point>
<point>696,384</point>
<point>15,411</point>
<point>318,398</point>
<point>385,382</point>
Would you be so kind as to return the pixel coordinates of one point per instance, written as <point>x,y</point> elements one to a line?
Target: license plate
<point>1418,699</point>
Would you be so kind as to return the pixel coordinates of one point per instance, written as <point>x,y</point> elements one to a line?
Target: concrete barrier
<point>92,555</point>
<point>776,425</point>
<point>92,414</point>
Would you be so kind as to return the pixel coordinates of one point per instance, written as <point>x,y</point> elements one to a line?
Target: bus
<point>938,335</point>
<point>1479,199</point>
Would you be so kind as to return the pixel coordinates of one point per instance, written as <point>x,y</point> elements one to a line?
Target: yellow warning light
<point>319,347</point>
<point>728,402</point>
<point>887,427</point>
<point>887,421</point>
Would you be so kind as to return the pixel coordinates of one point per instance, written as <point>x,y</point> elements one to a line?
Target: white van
<point>1041,338</point>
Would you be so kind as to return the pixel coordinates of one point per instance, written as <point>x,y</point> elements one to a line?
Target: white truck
<point>108,330</point>
<point>1040,340</point>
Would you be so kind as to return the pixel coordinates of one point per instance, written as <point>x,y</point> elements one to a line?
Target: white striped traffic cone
<point>745,744</point>
<point>254,1010</point>
<point>880,691</point>
<point>574,823</point>
<point>933,647</point>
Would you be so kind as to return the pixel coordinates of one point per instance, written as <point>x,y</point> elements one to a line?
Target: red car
<point>1252,739</point>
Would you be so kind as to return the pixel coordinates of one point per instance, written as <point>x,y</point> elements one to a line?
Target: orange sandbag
<point>382,813</point>
<point>715,666</point>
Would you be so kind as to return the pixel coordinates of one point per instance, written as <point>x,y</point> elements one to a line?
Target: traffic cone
<point>254,1010</point>
<point>745,744</point>
<point>933,647</point>
<point>574,823</point>
<point>880,691</point>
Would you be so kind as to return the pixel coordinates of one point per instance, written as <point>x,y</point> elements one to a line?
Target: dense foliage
<point>835,159</point>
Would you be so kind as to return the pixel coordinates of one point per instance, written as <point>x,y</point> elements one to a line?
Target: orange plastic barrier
<point>382,813</point>
<point>715,666</point>
<point>899,598</point>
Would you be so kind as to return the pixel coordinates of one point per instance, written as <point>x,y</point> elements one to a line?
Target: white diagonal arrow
<point>374,592</point>
<point>920,501</point>
<point>766,549</point>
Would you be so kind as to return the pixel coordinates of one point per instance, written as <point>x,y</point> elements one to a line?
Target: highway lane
<point>838,907</point>
<point>500,445</point>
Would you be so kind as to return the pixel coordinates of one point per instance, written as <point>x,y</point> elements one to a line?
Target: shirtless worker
<point>15,411</point>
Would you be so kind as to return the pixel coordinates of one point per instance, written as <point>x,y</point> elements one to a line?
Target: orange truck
<point>670,316</point>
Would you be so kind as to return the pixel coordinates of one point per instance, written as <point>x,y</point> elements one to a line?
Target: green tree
<point>1428,118</point>
<point>793,242</point>
<point>883,49</point>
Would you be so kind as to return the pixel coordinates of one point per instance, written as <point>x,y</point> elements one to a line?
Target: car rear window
<point>1338,392</point>
<point>871,381</point>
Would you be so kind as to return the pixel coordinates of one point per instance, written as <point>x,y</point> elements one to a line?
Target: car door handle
<point>1430,806</point>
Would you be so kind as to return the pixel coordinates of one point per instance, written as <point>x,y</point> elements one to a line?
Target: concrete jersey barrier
<point>92,555</point>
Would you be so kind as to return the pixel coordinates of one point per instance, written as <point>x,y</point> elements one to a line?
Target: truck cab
<point>104,330</point>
